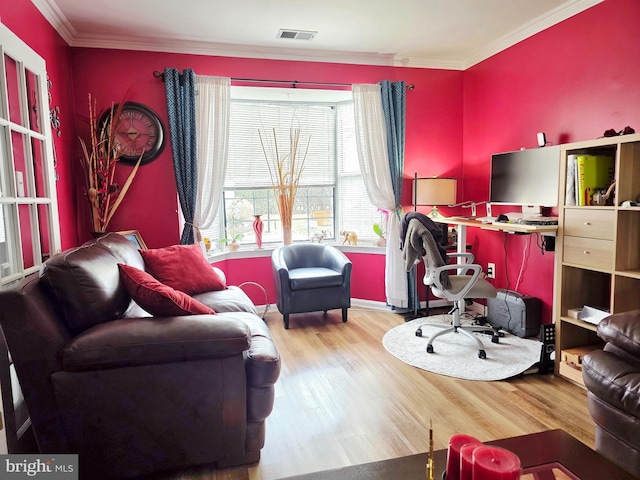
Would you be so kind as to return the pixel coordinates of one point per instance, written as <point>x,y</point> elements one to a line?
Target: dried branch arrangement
<point>285,169</point>
<point>101,157</point>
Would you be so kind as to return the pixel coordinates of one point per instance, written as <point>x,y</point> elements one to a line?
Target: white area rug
<point>456,355</point>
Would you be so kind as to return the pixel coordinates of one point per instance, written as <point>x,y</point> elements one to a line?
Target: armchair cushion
<point>314,277</point>
<point>182,267</point>
<point>158,299</point>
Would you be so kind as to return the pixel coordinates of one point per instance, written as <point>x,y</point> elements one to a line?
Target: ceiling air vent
<point>296,34</point>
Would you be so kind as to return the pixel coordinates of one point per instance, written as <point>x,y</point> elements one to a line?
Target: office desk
<point>463,222</point>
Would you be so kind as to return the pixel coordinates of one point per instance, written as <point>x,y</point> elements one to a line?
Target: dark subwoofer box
<point>514,312</point>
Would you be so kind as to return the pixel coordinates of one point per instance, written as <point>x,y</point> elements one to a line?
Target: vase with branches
<point>100,159</point>
<point>285,170</point>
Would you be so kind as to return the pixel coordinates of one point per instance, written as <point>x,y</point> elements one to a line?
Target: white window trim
<point>27,59</point>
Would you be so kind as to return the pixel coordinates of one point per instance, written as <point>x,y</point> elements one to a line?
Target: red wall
<point>433,138</point>
<point>572,81</point>
<point>367,278</point>
<point>434,116</point>
<point>23,19</point>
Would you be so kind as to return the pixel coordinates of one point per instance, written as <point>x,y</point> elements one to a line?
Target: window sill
<point>249,252</point>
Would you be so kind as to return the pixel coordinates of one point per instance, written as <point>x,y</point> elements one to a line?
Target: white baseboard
<point>376,305</point>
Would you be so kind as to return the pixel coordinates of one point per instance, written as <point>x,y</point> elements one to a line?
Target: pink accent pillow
<point>158,299</point>
<point>182,267</point>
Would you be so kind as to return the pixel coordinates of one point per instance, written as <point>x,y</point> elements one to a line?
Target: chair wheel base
<point>482,354</point>
<point>495,339</point>
<point>419,332</point>
<point>429,348</point>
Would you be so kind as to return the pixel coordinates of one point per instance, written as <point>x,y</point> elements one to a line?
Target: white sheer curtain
<point>213,100</point>
<point>371,139</point>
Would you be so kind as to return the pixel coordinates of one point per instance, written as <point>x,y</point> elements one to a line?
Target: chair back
<point>304,255</point>
<point>419,243</point>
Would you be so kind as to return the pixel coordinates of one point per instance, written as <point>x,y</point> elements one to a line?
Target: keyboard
<point>539,221</point>
<point>486,219</point>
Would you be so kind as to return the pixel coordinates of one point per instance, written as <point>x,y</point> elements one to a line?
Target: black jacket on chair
<point>311,277</point>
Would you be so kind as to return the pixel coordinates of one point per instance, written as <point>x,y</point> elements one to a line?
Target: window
<point>29,229</point>
<point>331,196</point>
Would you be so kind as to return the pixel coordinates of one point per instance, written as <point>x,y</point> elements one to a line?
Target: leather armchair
<point>129,393</point>
<point>612,378</point>
<point>311,277</point>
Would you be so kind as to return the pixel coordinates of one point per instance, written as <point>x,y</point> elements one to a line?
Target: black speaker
<point>548,339</point>
<point>542,139</point>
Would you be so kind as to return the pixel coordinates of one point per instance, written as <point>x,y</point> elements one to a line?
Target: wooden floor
<point>341,399</point>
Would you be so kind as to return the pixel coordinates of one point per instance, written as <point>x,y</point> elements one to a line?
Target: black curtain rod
<point>295,83</point>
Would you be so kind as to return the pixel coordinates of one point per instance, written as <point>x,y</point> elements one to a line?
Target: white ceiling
<point>452,34</point>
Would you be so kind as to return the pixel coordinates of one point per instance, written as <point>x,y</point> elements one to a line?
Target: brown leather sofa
<point>612,378</point>
<point>129,393</point>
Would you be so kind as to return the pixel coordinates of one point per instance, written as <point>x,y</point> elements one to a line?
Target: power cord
<point>266,300</point>
<point>506,270</point>
<point>540,243</point>
<point>525,260</point>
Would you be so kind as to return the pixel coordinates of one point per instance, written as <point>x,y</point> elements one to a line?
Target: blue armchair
<point>310,277</point>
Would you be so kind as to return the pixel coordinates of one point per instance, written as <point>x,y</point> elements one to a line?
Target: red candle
<point>466,460</point>
<point>495,463</point>
<point>453,454</point>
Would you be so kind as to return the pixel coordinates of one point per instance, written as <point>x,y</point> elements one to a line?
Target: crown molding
<point>442,63</point>
<point>248,51</point>
<point>535,26</point>
<point>229,50</point>
<point>56,18</point>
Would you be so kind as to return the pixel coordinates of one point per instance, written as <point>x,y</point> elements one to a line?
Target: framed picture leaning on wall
<point>134,236</point>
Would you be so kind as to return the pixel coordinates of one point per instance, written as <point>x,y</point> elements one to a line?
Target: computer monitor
<point>526,177</point>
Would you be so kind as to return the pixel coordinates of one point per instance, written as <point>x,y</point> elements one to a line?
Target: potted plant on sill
<point>382,241</point>
<point>232,243</point>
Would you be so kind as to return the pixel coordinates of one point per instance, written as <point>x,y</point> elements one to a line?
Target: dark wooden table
<point>553,446</point>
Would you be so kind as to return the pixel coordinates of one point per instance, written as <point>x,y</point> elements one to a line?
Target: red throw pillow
<point>182,267</point>
<point>158,299</point>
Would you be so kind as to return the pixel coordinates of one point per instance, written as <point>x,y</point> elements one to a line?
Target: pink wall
<point>433,138</point>
<point>572,81</point>
<point>434,116</point>
<point>366,282</point>
<point>23,19</point>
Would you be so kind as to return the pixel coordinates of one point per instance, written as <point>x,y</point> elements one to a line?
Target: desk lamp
<point>434,191</point>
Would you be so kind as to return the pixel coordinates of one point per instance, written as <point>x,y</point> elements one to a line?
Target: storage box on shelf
<point>597,248</point>
<point>571,362</point>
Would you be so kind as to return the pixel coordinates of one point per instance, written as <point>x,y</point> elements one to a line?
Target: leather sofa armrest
<point>621,330</point>
<point>613,380</point>
<point>144,341</point>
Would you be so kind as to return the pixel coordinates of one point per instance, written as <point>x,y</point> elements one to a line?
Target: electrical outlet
<point>491,270</point>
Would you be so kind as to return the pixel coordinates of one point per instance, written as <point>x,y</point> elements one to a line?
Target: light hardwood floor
<point>341,399</point>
